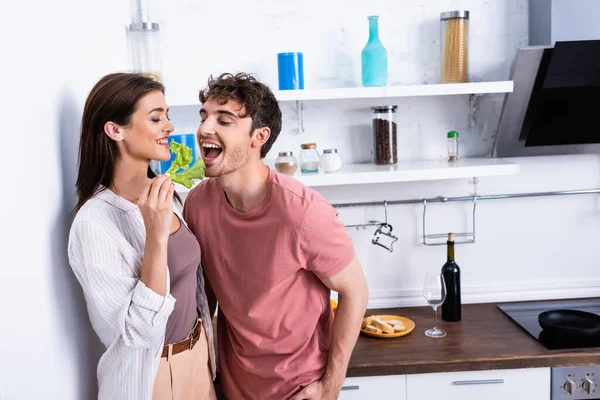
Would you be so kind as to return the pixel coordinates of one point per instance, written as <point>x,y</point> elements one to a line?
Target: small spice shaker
<point>452,146</point>
<point>331,160</point>
<point>385,148</point>
<point>309,158</point>
<point>286,163</point>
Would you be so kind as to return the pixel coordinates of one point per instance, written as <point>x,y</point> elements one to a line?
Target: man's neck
<point>129,177</point>
<point>247,187</point>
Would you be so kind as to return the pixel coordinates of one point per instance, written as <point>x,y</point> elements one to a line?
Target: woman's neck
<point>129,177</point>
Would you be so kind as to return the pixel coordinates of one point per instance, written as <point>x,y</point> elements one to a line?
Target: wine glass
<point>434,291</point>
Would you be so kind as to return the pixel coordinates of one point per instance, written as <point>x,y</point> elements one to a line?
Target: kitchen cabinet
<point>529,383</point>
<point>374,387</point>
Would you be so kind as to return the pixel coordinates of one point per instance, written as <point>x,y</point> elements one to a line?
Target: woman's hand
<point>156,206</point>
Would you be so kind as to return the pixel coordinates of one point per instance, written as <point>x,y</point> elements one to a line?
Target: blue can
<point>187,139</point>
<point>290,70</point>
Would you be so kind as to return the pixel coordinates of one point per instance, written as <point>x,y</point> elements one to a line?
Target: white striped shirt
<point>106,246</point>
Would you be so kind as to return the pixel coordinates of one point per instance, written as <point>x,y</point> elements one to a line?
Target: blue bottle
<point>374,57</point>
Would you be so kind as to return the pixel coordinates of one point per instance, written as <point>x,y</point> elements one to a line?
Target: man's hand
<point>353,295</point>
<point>319,390</point>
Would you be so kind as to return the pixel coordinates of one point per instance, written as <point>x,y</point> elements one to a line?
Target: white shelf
<point>407,171</point>
<point>410,171</point>
<point>191,98</point>
<point>396,91</point>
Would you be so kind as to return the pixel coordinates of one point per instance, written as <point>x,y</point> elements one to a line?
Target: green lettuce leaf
<point>186,177</point>
<point>183,158</point>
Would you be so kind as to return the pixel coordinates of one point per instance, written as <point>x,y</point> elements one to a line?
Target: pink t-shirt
<point>275,318</point>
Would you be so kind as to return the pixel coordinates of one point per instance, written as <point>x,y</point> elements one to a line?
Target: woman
<point>133,256</point>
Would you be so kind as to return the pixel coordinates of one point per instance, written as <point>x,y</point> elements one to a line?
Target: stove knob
<point>570,387</point>
<point>588,385</point>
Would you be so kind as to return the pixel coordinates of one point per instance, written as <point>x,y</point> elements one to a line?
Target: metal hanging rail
<point>470,236</point>
<point>441,199</point>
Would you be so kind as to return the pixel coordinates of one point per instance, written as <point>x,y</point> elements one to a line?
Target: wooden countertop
<point>485,338</point>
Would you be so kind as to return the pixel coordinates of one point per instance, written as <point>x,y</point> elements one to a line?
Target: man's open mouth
<point>211,151</point>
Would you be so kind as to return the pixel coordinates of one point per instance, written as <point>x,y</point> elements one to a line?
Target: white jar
<point>331,160</point>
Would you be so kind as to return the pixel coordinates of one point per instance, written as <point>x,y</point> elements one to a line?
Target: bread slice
<point>399,327</point>
<point>393,322</point>
<point>366,321</point>
<point>372,329</point>
<point>384,326</point>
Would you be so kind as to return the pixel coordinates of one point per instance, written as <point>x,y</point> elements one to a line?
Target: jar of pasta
<point>454,30</point>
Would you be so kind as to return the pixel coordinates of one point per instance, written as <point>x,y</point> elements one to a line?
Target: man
<point>272,249</point>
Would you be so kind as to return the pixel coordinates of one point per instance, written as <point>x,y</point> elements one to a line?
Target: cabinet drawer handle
<point>479,382</point>
<point>355,387</point>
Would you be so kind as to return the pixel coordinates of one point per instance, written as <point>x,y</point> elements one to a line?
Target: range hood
<point>555,105</point>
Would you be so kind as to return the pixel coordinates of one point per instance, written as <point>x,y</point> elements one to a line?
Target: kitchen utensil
<point>408,324</point>
<point>383,237</point>
<point>526,316</point>
<point>571,323</point>
<point>434,291</point>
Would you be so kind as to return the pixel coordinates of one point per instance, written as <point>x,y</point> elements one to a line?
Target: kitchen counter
<point>485,338</point>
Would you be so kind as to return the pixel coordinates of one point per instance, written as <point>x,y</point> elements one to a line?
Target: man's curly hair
<point>257,100</point>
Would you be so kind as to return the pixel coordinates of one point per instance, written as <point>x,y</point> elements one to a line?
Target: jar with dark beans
<point>385,145</point>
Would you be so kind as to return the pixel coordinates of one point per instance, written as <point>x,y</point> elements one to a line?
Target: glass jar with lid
<point>309,158</point>
<point>286,163</point>
<point>452,146</point>
<point>331,160</point>
<point>454,30</point>
<point>144,41</point>
<point>385,147</point>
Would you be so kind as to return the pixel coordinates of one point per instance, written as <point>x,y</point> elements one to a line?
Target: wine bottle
<point>451,272</point>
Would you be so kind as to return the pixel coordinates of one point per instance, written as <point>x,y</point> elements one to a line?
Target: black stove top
<point>526,316</point>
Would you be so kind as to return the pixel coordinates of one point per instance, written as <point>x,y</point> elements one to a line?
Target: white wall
<point>199,44</point>
<point>529,248</point>
<point>562,20</point>
<point>55,51</point>
<point>525,248</point>
<point>52,54</point>
<point>575,22</point>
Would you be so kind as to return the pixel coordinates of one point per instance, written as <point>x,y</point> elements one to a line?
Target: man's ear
<point>113,131</point>
<point>260,136</point>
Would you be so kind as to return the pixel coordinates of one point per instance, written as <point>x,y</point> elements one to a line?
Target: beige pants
<point>186,375</point>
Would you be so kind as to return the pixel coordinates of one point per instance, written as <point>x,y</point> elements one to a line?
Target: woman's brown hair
<point>114,98</point>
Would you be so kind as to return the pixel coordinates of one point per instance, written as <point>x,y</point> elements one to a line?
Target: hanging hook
<point>300,117</point>
<point>424,214</point>
<point>385,210</point>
